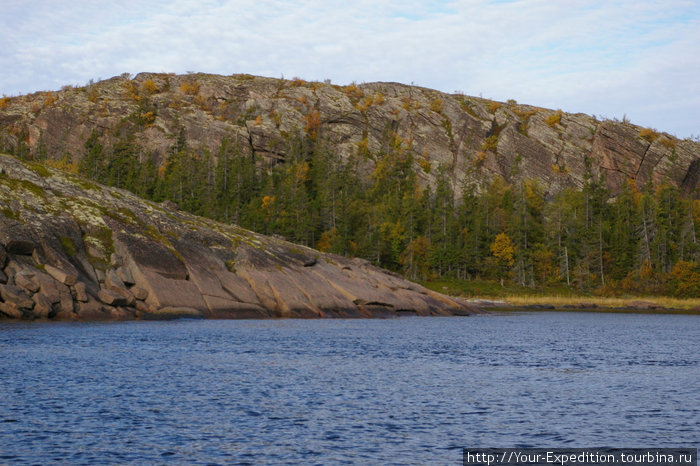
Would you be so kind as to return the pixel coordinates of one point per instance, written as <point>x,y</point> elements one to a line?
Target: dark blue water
<point>408,390</point>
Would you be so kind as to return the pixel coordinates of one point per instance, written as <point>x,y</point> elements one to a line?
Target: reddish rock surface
<point>104,254</point>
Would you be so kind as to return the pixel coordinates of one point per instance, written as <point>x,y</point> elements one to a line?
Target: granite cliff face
<point>468,136</point>
<point>73,250</point>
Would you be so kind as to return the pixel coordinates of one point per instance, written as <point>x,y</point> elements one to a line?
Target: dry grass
<point>663,301</point>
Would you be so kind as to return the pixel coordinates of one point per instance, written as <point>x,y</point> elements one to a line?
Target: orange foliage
<point>189,87</point>
<point>649,134</point>
<point>267,202</point>
<point>148,118</point>
<point>149,87</point>
<point>312,123</point>
<point>51,98</point>
<point>131,91</point>
<point>353,91</point>
<point>328,237</point>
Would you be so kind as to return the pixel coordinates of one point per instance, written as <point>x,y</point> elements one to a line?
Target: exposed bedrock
<point>72,250</point>
<point>470,137</point>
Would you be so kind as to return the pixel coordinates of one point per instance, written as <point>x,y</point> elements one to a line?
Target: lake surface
<point>409,390</point>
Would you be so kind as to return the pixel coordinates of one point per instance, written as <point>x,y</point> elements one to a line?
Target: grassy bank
<point>560,297</point>
<point>490,289</point>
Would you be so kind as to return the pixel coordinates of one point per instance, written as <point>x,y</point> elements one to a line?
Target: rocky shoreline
<point>73,250</point>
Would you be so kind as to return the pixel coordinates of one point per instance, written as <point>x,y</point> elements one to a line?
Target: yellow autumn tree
<point>685,278</point>
<point>503,252</point>
<point>416,258</point>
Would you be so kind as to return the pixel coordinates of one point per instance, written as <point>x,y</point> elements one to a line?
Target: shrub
<point>149,87</point>
<point>648,134</point>
<point>131,91</point>
<point>3,101</point>
<point>51,98</point>
<point>668,143</point>
<point>425,165</point>
<point>65,164</point>
<point>554,119</point>
<point>92,94</point>
<point>436,105</point>
<point>525,114</point>
<point>353,91</point>
<point>364,104</point>
<point>148,118</point>
<point>490,143</point>
<point>560,169</point>
<point>494,106</point>
<point>189,87</point>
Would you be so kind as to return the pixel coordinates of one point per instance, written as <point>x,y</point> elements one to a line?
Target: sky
<point>637,59</point>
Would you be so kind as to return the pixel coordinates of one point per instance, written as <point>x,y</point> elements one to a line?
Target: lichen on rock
<point>88,255</point>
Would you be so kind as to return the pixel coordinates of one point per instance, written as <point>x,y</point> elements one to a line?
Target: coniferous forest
<point>641,241</point>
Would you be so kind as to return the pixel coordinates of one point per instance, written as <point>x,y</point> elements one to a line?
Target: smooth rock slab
<point>61,276</point>
<point>125,276</point>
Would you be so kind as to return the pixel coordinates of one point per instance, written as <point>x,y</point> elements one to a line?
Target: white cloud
<point>607,58</point>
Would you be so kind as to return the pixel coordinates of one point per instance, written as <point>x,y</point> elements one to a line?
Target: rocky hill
<point>73,250</point>
<point>469,137</point>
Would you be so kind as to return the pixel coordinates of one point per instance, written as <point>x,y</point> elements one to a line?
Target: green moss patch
<point>68,246</point>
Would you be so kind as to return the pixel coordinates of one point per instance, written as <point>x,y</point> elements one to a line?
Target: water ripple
<point>396,391</point>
